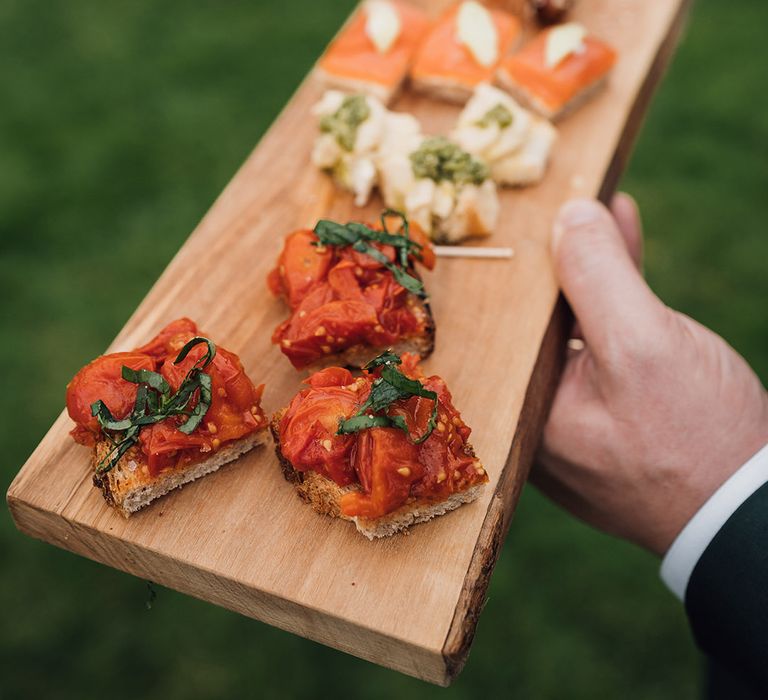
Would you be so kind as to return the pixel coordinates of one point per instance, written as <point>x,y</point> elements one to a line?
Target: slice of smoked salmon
<point>443,57</point>
<point>353,56</point>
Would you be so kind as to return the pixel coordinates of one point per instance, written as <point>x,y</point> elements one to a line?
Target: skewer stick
<point>450,251</point>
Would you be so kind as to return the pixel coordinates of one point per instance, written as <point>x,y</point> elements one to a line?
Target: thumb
<point>612,303</point>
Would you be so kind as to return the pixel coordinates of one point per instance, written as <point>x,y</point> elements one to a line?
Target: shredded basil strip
<point>155,402</point>
<point>392,385</point>
<point>361,238</point>
<point>385,358</point>
<point>144,376</point>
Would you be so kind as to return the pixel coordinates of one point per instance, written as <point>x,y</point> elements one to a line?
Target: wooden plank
<point>240,538</point>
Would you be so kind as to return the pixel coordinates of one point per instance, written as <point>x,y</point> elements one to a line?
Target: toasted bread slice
<point>324,495</point>
<point>129,486</point>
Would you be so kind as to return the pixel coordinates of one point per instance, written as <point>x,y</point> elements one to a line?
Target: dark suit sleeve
<point>727,595</point>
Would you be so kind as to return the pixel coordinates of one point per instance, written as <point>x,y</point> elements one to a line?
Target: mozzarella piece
<point>527,165</point>
<point>357,175</point>
<point>326,152</point>
<point>362,178</point>
<point>475,213</point>
<point>395,179</point>
<point>418,202</point>
<point>562,41</point>
<point>401,133</point>
<point>354,170</point>
<point>491,141</point>
<point>370,132</point>
<point>329,103</point>
<point>382,24</point>
<point>476,30</point>
<point>518,152</point>
<point>444,199</point>
<point>476,139</point>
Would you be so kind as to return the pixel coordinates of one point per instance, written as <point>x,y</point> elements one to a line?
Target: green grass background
<point>119,124</point>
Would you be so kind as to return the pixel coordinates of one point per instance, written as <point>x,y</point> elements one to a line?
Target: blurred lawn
<point>119,124</point>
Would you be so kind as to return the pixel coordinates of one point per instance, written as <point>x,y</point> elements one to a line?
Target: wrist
<point>693,539</point>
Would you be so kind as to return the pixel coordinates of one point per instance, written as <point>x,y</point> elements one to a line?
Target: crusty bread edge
<point>324,494</point>
<point>529,100</point>
<point>384,93</point>
<point>129,501</point>
<point>445,89</point>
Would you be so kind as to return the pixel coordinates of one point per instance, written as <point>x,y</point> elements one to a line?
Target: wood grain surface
<point>241,538</point>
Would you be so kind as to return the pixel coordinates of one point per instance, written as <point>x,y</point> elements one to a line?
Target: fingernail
<point>573,214</point>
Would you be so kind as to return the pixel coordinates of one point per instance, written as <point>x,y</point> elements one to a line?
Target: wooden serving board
<point>241,538</point>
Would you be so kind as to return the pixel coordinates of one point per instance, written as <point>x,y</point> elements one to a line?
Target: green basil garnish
<point>155,402</point>
<point>392,385</point>
<point>361,237</point>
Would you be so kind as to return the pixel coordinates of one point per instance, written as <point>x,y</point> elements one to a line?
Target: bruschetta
<point>353,290</point>
<point>164,414</point>
<point>385,450</point>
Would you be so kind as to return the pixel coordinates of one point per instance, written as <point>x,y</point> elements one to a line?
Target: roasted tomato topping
<point>102,379</point>
<point>340,298</point>
<point>235,409</point>
<point>389,467</point>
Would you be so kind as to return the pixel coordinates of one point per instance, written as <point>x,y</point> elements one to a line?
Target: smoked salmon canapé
<point>385,450</point>
<point>353,290</point>
<point>558,70</point>
<point>161,415</point>
<point>373,51</point>
<point>463,49</point>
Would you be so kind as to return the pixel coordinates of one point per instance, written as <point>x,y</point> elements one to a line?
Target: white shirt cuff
<point>686,550</point>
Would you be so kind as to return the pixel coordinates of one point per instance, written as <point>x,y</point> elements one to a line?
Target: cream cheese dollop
<point>382,24</point>
<point>476,30</point>
<point>562,41</point>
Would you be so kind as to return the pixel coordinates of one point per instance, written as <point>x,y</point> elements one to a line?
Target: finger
<point>614,306</point>
<point>625,211</point>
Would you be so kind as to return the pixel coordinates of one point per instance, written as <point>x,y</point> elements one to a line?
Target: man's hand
<point>656,411</point>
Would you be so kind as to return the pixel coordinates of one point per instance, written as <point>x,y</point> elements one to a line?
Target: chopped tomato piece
<point>171,339</point>
<point>300,266</point>
<point>308,432</point>
<point>386,465</point>
<point>103,379</point>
